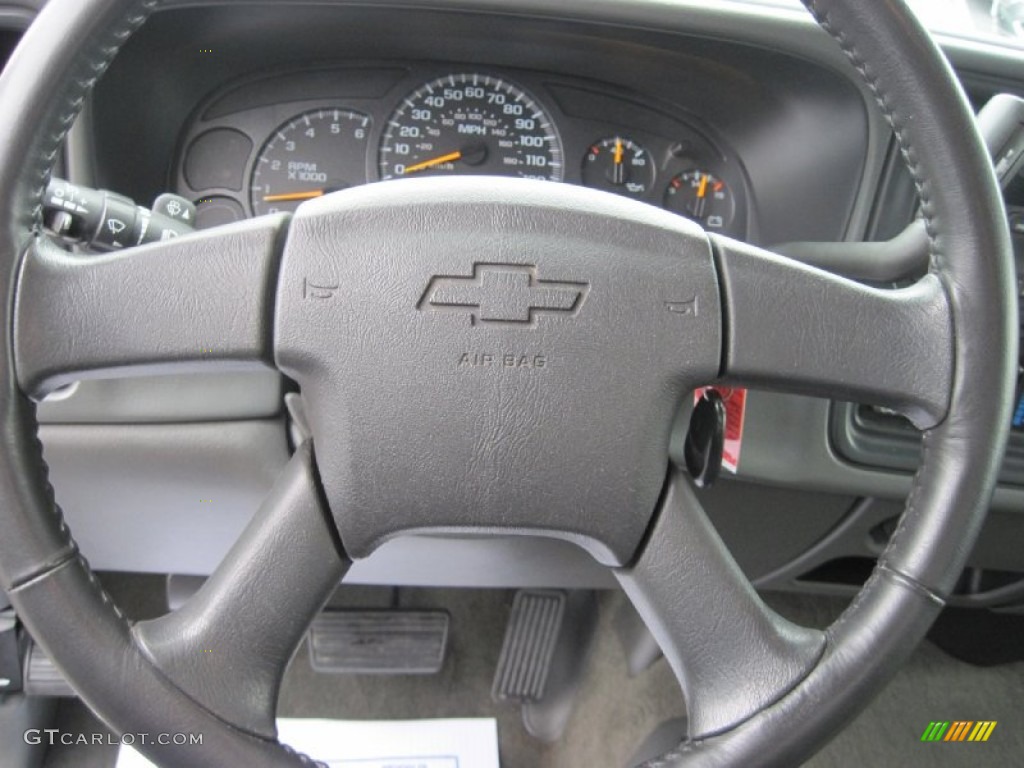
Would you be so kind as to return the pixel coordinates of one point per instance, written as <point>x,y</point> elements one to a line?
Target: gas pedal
<point>529,647</point>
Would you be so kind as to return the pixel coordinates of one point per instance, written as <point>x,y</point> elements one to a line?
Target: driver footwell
<point>614,713</point>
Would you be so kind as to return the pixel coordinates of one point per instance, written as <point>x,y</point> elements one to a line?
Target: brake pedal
<point>381,642</point>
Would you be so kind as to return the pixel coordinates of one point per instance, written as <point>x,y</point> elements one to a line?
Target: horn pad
<point>483,355</point>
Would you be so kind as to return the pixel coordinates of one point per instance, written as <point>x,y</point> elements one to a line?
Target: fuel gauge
<point>619,165</point>
<point>703,197</point>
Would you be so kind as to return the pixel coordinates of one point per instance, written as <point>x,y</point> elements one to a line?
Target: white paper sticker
<point>463,743</point>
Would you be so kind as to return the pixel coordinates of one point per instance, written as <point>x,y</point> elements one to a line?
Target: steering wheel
<point>502,356</point>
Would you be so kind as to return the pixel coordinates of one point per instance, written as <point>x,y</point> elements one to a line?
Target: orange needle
<point>618,151</point>
<point>703,189</point>
<point>293,196</point>
<point>449,158</point>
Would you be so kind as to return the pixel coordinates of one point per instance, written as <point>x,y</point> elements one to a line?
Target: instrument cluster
<point>267,145</point>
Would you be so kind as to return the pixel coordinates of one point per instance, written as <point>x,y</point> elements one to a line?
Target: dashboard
<point>747,120</point>
<point>265,145</point>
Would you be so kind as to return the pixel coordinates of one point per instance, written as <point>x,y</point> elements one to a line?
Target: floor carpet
<point>615,712</point>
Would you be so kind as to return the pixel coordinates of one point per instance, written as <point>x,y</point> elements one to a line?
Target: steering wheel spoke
<point>797,328</point>
<point>228,646</point>
<point>732,654</point>
<point>195,302</point>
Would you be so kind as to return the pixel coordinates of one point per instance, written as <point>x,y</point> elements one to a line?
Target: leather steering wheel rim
<point>138,679</point>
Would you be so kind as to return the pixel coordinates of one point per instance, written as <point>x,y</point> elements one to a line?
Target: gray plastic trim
<point>135,495</point>
<point>166,399</point>
<point>481,562</point>
<point>162,498</point>
<point>786,443</point>
<point>894,445</point>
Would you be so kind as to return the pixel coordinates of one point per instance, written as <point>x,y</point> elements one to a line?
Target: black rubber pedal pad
<point>529,646</point>
<point>382,642</point>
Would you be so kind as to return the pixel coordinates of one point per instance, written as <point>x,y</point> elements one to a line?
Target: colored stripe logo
<point>959,730</point>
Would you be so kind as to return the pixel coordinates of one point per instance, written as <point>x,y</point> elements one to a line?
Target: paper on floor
<point>465,743</point>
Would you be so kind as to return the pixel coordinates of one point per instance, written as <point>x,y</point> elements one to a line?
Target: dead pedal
<point>530,640</point>
<point>381,642</point>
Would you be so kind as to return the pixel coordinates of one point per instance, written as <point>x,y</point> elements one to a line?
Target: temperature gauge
<point>703,197</point>
<point>619,165</point>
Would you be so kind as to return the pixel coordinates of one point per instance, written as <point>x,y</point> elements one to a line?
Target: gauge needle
<point>294,196</point>
<point>449,158</point>
<point>618,175</point>
<point>702,191</point>
<point>703,188</point>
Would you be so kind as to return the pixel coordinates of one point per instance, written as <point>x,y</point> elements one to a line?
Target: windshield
<point>1000,21</point>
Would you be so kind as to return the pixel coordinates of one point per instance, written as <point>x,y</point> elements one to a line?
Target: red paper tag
<point>735,400</point>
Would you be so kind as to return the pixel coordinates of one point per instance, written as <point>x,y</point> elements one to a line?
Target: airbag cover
<point>494,355</point>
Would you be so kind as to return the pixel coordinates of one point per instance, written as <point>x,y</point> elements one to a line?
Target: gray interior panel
<point>786,443</point>
<point>162,498</point>
<point>481,562</point>
<point>174,498</point>
<point>166,399</point>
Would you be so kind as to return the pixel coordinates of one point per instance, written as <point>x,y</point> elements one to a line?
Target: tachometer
<point>312,154</point>
<point>470,124</point>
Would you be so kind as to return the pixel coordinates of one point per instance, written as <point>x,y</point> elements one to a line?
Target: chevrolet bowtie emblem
<point>503,294</point>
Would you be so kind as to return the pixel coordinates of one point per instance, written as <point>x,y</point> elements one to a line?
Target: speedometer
<point>470,124</point>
